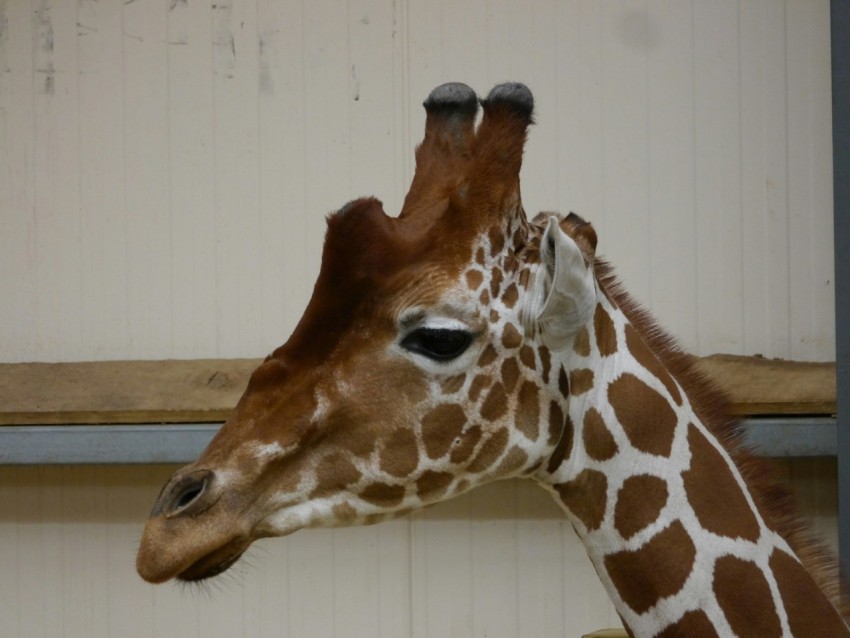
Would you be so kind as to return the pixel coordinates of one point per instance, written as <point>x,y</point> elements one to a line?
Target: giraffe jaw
<point>216,562</point>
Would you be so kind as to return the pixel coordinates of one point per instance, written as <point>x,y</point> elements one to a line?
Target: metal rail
<point>183,442</point>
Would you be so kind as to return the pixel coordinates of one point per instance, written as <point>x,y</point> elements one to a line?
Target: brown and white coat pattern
<point>461,343</point>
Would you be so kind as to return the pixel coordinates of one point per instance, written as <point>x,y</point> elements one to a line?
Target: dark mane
<point>775,501</point>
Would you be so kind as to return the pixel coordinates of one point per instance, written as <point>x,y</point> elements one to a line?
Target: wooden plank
<point>758,386</point>
<point>206,390</point>
<point>122,391</point>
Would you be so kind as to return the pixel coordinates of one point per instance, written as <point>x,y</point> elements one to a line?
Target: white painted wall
<point>500,562</point>
<point>165,168</point>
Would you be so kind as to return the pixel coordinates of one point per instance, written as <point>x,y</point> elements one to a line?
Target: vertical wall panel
<point>811,286</point>
<point>191,195</point>
<point>669,40</point>
<point>717,163</point>
<point>147,169</point>
<point>764,168</point>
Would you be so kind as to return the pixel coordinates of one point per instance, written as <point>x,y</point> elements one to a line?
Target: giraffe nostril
<point>186,494</point>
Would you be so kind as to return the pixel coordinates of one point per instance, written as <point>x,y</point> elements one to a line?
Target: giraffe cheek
<point>441,427</point>
<point>334,472</point>
<point>400,455</point>
<point>490,451</point>
<point>465,445</point>
<point>432,486</point>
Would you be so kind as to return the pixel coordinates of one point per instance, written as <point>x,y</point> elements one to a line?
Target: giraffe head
<point>421,367</point>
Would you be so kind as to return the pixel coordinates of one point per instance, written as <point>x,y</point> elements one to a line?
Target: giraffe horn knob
<point>514,96</point>
<point>451,110</point>
<point>452,97</point>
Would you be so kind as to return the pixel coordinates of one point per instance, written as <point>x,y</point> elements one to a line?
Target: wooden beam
<point>758,386</point>
<point>206,390</point>
<point>184,391</point>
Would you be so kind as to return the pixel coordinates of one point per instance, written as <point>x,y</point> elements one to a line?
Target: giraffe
<point>462,343</point>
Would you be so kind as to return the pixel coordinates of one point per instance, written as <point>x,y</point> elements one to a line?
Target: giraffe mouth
<point>216,562</point>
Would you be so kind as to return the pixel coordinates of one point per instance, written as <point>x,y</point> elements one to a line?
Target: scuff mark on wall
<point>224,43</point>
<point>266,56</point>
<point>87,22</point>
<point>43,46</point>
<point>355,83</point>
<point>178,34</point>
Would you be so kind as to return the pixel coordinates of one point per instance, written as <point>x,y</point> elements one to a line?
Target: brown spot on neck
<point>656,570</point>
<point>528,410</point>
<point>714,494</point>
<point>580,381</point>
<point>511,296</point>
<point>606,333</point>
<point>744,596</point>
<point>809,611</point>
<point>646,416</point>
<point>599,443</point>
<point>511,338</point>
<point>644,356</point>
<point>639,503</point>
<point>586,497</point>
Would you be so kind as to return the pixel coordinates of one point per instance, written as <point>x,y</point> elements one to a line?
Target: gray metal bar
<point>840,28</point>
<point>143,443</point>
<point>183,442</point>
<point>792,437</point>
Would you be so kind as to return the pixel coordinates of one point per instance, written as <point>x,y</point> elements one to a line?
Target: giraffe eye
<point>439,344</point>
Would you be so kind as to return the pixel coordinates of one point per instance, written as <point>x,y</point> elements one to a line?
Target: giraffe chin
<point>216,562</point>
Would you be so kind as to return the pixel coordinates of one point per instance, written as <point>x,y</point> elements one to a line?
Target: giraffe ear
<point>568,290</point>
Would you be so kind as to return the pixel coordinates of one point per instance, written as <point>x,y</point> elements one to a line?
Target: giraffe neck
<point>667,518</point>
